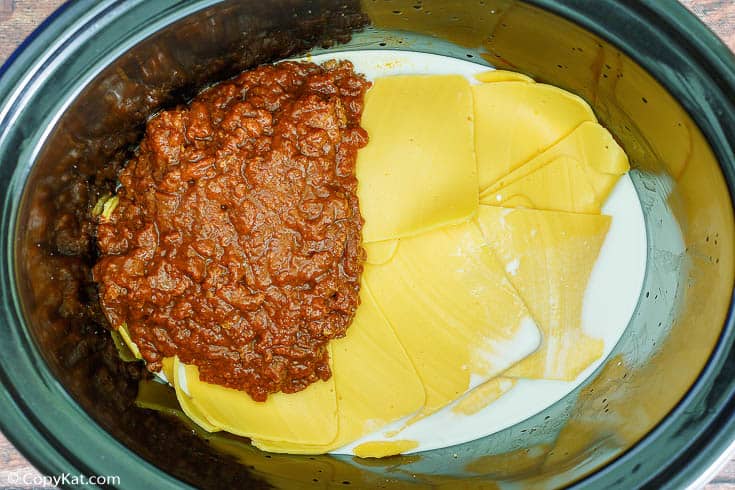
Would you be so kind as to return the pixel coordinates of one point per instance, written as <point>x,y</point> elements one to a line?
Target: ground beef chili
<point>236,241</point>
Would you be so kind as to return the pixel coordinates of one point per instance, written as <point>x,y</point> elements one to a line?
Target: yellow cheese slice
<point>153,395</point>
<point>418,172</point>
<point>502,76</point>
<point>123,351</point>
<point>514,121</point>
<point>375,381</point>
<point>109,206</point>
<point>459,319</point>
<point>306,417</point>
<point>185,402</point>
<point>483,395</point>
<point>380,252</point>
<point>561,185</point>
<point>514,201</point>
<point>125,334</point>
<point>601,160</point>
<point>549,257</point>
<point>168,368</point>
<point>105,206</point>
<point>382,449</point>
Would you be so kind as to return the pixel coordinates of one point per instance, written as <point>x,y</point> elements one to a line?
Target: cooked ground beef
<point>236,242</point>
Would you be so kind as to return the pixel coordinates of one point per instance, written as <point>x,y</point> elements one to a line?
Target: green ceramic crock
<point>73,101</point>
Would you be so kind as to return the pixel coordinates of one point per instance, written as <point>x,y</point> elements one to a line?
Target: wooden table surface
<point>19,17</point>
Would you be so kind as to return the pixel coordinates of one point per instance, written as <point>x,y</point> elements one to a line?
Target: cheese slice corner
<point>576,174</point>
<point>560,185</point>
<point>549,257</point>
<point>515,121</point>
<point>125,334</point>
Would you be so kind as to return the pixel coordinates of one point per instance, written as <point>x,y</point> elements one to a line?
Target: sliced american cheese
<point>483,395</point>
<point>125,334</point>
<point>185,402</point>
<point>561,185</point>
<point>549,257</point>
<point>375,380</point>
<point>418,172</point>
<point>601,163</point>
<point>516,120</point>
<point>502,76</point>
<point>168,368</point>
<point>306,417</point>
<point>153,395</point>
<point>123,351</point>
<point>380,252</point>
<point>458,317</point>
<point>514,201</point>
<point>383,449</point>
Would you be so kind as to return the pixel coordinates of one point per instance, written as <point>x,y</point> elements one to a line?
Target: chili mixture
<point>236,243</point>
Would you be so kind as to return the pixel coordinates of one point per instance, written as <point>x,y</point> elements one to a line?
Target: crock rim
<point>73,17</point>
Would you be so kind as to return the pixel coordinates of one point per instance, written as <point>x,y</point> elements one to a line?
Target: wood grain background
<point>19,17</point>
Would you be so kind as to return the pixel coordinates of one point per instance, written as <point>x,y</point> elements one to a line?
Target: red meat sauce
<point>236,241</point>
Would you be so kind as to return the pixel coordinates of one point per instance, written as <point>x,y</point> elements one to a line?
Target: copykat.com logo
<point>29,479</point>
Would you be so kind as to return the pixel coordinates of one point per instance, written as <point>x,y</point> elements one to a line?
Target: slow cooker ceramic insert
<point>73,103</point>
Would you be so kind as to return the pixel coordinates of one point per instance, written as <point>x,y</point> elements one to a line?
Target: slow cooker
<point>73,103</point>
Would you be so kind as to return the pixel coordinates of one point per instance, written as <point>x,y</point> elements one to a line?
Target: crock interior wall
<point>629,396</point>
